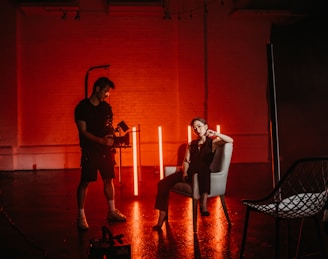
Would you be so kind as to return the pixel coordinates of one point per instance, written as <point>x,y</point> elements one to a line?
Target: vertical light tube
<point>189,133</point>
<point>161,171</point>
<point>120,167</point>
<point>218,128</point>
<point>135,161</point>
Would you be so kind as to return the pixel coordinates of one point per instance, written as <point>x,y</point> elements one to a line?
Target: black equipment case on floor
<point>109,246</point>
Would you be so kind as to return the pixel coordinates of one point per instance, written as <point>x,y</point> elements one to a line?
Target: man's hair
<point>102,82</point>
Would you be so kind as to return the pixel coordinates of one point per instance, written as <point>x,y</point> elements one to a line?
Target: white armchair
<point>219,168</point>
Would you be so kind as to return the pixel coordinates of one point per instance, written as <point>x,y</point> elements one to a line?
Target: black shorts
<point>92,162</point>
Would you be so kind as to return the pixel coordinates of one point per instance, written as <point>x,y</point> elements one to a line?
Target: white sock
<point>111,204</point>
<point>81,213</point>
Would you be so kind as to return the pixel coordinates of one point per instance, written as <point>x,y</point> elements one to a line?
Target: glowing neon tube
<point>218,128</point>
<point>161,171</point>
<point>135,161</point>
<point>189,133</point>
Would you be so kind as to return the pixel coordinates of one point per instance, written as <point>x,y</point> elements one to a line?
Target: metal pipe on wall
<point>205,64</point>
<point>87,77</point>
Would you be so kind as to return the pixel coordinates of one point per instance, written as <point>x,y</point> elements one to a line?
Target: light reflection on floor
<point>42,205</point>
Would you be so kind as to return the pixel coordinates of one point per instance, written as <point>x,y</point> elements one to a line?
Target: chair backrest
<point>220,169</point>
<point>303,190</point>
<point>222,158</point>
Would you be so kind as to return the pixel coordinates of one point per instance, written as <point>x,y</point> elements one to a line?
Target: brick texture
<point>158,67</point>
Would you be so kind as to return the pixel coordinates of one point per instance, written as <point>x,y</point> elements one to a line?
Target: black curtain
<point>298,74</point>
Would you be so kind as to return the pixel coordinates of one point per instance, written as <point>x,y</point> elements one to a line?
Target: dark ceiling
<point>294,7</point>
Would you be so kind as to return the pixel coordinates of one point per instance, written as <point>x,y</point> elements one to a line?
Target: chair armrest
<point>168,170</point>
<point>218,183</point>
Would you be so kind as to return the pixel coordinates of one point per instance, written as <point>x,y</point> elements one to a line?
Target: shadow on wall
<point>181,153</point>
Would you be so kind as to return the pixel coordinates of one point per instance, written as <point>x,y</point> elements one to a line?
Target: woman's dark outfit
<point>200,160</point>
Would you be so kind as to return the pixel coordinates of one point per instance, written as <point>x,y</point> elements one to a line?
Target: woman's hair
<point>198,119</point>
<point>102,82</point>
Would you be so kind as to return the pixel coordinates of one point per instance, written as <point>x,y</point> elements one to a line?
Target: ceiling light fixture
<point>77,16</point>
<point>64,16</point>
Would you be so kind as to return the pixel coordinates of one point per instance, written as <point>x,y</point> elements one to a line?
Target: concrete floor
<point>38,218</point>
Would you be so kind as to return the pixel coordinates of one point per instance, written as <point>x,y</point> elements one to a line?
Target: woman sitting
<point>198,157</point>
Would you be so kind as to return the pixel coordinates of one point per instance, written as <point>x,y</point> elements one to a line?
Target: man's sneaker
<point>116,215</point>
<point>82,223</point>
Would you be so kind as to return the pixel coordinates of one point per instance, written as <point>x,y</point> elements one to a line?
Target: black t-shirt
<point>98,121</point>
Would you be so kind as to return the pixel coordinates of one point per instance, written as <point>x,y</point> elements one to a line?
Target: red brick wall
<point>158,68</point>
<point>8,84</point>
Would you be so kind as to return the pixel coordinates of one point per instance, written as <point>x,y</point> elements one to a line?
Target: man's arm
<point>82,127</point>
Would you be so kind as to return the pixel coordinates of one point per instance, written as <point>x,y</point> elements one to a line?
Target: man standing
<point>93,118</point>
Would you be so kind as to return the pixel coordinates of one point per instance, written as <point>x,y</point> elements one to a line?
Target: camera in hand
<point>122,141</point>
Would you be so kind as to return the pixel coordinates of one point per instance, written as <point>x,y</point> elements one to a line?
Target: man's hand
<point>108,140</point>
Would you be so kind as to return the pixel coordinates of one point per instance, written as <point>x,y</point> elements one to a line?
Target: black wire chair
<point>301,193</point>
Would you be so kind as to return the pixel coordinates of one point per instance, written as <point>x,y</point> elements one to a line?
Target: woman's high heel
<point>202,211</point>
<point>162,218</point>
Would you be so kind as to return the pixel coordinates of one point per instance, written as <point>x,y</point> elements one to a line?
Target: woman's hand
<point>211,133</point>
